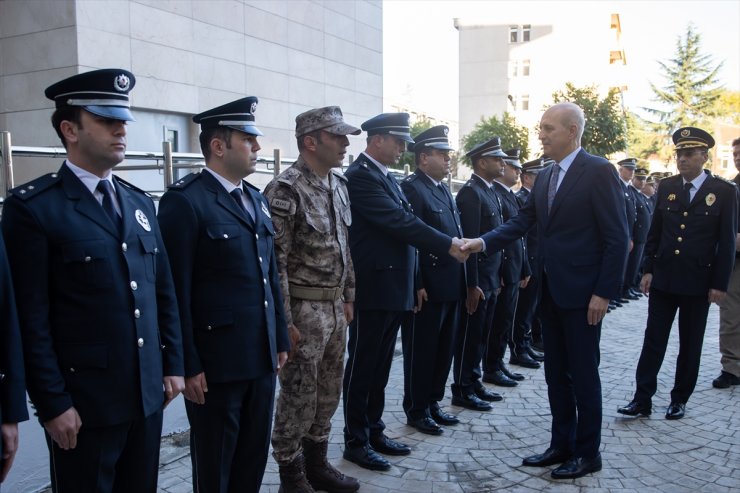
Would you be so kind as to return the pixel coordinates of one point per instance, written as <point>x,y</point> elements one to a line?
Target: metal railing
<point>164,162</point>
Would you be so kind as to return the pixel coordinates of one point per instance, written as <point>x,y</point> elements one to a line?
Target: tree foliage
<point>727,106</point>
<point>691,91</point>
<point>422,123</point>
<point>511,133</point>
<point>606,126</point>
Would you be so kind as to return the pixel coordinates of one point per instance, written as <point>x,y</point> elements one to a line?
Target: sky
<point>420,43</point>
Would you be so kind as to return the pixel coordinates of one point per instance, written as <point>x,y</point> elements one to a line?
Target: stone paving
<point>483,453</point>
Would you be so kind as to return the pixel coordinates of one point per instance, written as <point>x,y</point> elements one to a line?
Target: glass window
<point>513,34</point>
<point>526,28</point>
<point>525,68</point>
<point>524,102</point>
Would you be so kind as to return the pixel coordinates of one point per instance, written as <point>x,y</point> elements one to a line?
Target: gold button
<point>685,214</point>
<point>680,239</point>
<point>134,286</point>
<point>677,252</point>
<point>683,226</point>
<point>137,313</point>
<point>140,342</point>
<point>124,247</point>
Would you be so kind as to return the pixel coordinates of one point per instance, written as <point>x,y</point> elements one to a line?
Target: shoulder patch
<point>132,187</point>
<point>34,187</point>
<point>339,174</point>
<point>280,205</point>
<point>185,181</point>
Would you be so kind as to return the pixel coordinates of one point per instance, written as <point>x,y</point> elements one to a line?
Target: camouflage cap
<point>328,118</point>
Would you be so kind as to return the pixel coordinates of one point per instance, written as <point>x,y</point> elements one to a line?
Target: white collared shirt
<point>696,183</point>
<point>230,187</point>
<point>508,189</point>
<point>91,181</point>
<point>383,168</point>
<point>489,183</point>
<point>565,164</point>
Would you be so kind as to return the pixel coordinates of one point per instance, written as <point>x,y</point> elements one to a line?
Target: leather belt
<point>315,294</point>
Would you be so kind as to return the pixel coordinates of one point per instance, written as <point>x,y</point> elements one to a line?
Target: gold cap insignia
<point>685,132</point>
<point>711,199</point>
<point>672,196</point>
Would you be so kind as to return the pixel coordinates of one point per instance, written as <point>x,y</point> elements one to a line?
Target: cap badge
<point>142,220</point>
<point>447,130</point>
<point>672,197</point>
<point>265,210</point>
<point>711,199</point>
<point>121,83</point>
<point>685,132</point>
<point>253,108</point>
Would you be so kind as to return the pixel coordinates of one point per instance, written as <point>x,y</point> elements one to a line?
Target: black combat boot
<point>322,475</point>
<point>293,477</point>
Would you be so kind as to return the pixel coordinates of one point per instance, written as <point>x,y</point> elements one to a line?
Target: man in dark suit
<point>218,230</point>
<point>382,237</point>
<point>689,255</point>
<point>12,377</point>
<point>97,308</point>
<point>583,249</point>
<point>480,212</point>
<point>527,329</point>
<point>429,334</point>
<point>515,274</point>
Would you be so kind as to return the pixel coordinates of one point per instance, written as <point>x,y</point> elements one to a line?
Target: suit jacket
<point>12,376</point>
<point>97,309</point>
<point>582,242</point>
<point>642,217</point>
<point>226,278</point>
<point>480,212</point>
<point>443,277</point>
<point>382,238</point>
<point>691,247</point>
<point>514,266</point>
<point>531,239</point>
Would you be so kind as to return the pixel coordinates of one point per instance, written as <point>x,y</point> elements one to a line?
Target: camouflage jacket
<point>311,239</point>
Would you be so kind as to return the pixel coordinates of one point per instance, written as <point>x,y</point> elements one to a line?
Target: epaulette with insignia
<point>411,177</point>
<point>132,187</point>
<point>186,181</point>
<point>34,187</point>
<point>725,180</point>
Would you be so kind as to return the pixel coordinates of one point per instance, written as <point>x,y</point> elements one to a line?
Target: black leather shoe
<point>725,380</point>
<point>635,408</point>
<point>366,457</point>
<point>442,418</point>
<point>425,425</point>
<point>635,292</point>
<point>535,355</point>
<point>549,457</point>
<point>498,378</point>
<point>525,360</point>
<point>675,411</point>
<point>512,375</point>
<point>471,401</point>
<point>385,445</point>
<point>623,300</point>
<point>484,394</point>
<point>575,467</point>
<point>616,303</point>
<point>630,296</point>
<point>537,346</point>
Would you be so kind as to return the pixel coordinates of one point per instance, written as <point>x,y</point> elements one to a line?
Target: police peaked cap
<point>435,138</point>
<point>396,124</point>
<point>490,148</point>
<point>690,137</point>
<point>101,92</point>
<point>238,115</point>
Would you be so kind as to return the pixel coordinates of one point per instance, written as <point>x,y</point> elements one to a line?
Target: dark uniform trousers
<point>527,326</point>
<point>231,307</point>
<point>690,249</point>
<point>501,327</point>
<point>470,344</point>
<point>100,326</point>
<point>383,235</point>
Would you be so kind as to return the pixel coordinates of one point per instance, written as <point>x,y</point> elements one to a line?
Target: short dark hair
<point>736,142</point>
<point>207,135</point>
<point>316,134</point>
<point>69,113</point>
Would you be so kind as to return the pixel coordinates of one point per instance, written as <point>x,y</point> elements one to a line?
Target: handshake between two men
<point>460,249</point>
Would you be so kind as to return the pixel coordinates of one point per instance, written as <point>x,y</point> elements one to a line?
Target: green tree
<point>512,135</point>
<point>727,106</point>
<point>606,127</point>
<point>691,91</point>
<point>642,140</point>
<point>422,123</point>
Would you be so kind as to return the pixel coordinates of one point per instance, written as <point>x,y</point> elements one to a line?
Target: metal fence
<point>164,162</point>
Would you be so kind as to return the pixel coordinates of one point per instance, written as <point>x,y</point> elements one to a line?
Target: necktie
<point>237,195</point>
<point>553,186</point>
<point>687,193</point>
<point>105,187</point>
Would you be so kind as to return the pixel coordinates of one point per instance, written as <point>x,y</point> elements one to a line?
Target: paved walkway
<point>483,453</point>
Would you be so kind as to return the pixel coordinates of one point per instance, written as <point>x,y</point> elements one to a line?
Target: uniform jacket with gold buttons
<point>226,278</point>
<point>691,247</point>
<point>97,310</point>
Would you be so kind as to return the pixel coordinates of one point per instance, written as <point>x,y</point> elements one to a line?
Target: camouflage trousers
<point>311,382</point>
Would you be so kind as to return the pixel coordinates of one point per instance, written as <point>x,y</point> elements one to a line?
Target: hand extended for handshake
<point>462,248</point>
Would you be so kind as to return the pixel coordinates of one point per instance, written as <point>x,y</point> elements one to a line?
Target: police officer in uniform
<point>514,274</point>
<point>311,214</point>
<point>642,225</point>
<point>218,230</point>
<point>429,334</point>
<point>382,236</point>
<point>480,212</point>
<point>688,260</point>
<point>626,172</point>
<point>527,329</point>
<point>97,308</point>
<point>12,376</point>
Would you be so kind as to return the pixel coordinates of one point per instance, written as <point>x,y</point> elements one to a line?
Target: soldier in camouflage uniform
<point>311,213</point>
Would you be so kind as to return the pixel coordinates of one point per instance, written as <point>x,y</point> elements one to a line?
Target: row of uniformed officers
<point>120,309</point>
